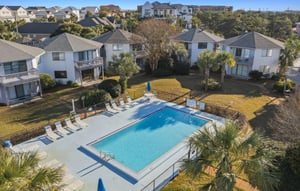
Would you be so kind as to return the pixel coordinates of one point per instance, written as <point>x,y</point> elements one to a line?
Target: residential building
<point>71,58</point>
<point>72,11</point>
<point>253,51</point>
<point>298,28</point>
<point>196,41</point>
<point>110,10</point>
<point>37,32</point>
<point>19,76</point>
<point>13,13</point>
<point>118,41</point>
<point>96,21</point>
<point>85,10</point>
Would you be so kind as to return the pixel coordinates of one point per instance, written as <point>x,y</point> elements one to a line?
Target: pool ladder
<point>106,155</point>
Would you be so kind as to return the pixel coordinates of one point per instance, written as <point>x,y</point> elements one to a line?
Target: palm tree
<point>230,155</point>
<point>289,54</point>
<point>20,171</point>
<point>224,58</point>
<point>125,66</point>
<point>207,61</point>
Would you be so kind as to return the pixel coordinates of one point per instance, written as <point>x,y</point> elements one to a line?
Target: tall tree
<point>230,155</point>
<point>125,66</point>
<point>225,58</point>
<point>156,35</point>
<point>289,54</point>
<point>20,171</point>
<point>207,61</point>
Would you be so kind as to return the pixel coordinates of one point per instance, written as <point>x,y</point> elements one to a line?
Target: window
<point>81,56</point>
<point>58,56</point>
<point>202,45</point>
<point>60,74</point>
<point>15,67</point>
<point>117,47</point>
<point>238,52</point>
<point>265,69</point>
<point>266,53</point>
<point>246,53</point>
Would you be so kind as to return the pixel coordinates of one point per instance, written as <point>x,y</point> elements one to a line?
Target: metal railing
<point>241,60</point>
<point>20,76</point>
<point>87,64</point>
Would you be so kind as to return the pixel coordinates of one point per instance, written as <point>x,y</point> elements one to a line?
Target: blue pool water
<point>143,142</point>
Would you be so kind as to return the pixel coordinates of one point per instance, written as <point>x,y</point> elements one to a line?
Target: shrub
<point>279,85</point>
<point>111,86</point>
<point>69,83</point>
<point>123,85</point>
<point>47,81</point>
<point>166,63</point>
<point>93,97</point>
<point>195,67</point>
<point>75,84</point>
<point>162,72</point>
<point>276,77</point>
<point>212,84</point>
<point>255,74</point>
<point>182,68</point>
<point>148,70</point>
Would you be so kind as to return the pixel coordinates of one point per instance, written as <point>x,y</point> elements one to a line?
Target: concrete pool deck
<point>89,168</point>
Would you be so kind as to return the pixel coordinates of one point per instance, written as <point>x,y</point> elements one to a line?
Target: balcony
<point>88,64</point>
<point>19,78</point>
<point>241,60</point>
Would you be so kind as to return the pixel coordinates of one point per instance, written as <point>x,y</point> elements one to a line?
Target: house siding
<point>110,52</point>
<point>195,51</point>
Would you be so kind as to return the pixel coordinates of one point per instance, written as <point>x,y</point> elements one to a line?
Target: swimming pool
<point>141,143</point>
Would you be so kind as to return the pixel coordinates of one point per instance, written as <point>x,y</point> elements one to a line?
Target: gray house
<point>196,41</point>
<point>253,51</point>
<point>19,77</point>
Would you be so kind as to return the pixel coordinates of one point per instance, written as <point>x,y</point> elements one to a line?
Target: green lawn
<point>56,105</point>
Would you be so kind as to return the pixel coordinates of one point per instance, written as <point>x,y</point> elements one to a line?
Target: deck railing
<point>19,77</point>
<point>88,64</point>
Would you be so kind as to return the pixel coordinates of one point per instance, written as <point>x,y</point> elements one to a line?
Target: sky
<point>264,5</point>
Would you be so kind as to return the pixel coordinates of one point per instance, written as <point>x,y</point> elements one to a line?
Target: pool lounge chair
<point>130,102</point>
<point>60,129</point>
<point>80,122</point>
<point>115,106</point>
<point>75,185</point>
<point>122,104</point>
<point>109,109</point>
<point>51,135</point>
<point>71,126</point>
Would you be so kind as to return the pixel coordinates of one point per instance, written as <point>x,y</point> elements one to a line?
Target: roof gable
<point>253,40</point>
<point>11,51</point>
<point>69,42</point>
<point>119,36</point>
<point>197,35</point>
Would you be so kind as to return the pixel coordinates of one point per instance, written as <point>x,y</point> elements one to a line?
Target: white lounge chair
<point>71,126</point>
<point>51,135</point>
<point>80,122</point>
<point>60,129</point>
<point>122,104</point>
<point>115,106</point>
<point>109,109</point>
<point>75,185</point>
<point>130,102</point>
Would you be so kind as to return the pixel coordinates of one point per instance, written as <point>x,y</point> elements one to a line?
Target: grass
<point>246,97</point>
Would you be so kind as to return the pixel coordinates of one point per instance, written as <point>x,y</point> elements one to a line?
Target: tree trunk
<point>206,76</point>
<point>222,74</point>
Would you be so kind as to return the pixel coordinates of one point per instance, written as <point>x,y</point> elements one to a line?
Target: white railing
<point>20,76</point>
<point>86,64</point>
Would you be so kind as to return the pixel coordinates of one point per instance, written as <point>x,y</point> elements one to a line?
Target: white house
<point>253,51</point>
<point>6,14</point>
<point>19,76</point>
<point>118,41</point>
<point>71,58</point>
<point>72,10</point>
<point>85,10</point>
<point>196,41</point>
<point>19,13</point>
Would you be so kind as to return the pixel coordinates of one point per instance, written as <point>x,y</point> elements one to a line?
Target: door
<point>87,75</point>
<point>20,91</point>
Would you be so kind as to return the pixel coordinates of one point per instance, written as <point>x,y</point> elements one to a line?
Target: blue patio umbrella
<point>100,185</point>
<point>148,86</point>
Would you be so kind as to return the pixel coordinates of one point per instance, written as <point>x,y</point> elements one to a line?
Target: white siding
<point>195,51</point>
<point>110,52</point>
<point>271,61</point>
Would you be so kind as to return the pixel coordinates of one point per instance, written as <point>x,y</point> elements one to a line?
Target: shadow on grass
<point>263,116</point>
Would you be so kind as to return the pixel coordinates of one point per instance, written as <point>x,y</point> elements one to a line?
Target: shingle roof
<point>94,21</point>
<point>11,51</point>
<point>14,7</point>
<point>118,36</point>
<point>253,40</point>
<point>38,28</point>
<point>197,35</point>
<point>69,42</point>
